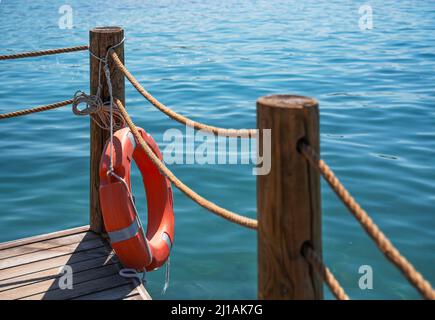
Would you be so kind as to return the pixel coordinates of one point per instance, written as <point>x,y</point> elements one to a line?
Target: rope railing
<point>42,52</point>
<point>317,264</point>
<point>97,112</point>
<point>36,109</point>
<point>224,213</point>
<point>242,133</point>
<point>229,215</point>
<point>383,243</point>
<point>308,253</point>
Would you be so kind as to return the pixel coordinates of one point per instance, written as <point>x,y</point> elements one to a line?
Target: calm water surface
<point>211,61</point>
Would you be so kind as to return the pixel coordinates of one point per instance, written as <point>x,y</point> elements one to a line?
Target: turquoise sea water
<point>211,61</point>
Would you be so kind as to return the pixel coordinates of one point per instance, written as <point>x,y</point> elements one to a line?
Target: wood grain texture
<point>32,270</point>
<point>124,292</point>
<point>288,200</point>
<point>47,236</point>
<point>59,261</point>
<point>47,244</point>
<point>80,289</point>
<point>50,253</point>
<point>100,40</point>
<point>52,284</point>
<point>54,272</point>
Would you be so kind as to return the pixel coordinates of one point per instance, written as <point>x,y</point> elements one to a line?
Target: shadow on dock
<point>65,265</point>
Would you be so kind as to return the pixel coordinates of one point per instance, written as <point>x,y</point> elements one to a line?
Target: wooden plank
<point>29,268</point>
<point>75,257</point>
<point>81,289</point>
<point>141,289</point>
<point>134,297</point>
<point>52,273</point>
<point>117,293</point>
<point>47,244</point>
<point>57,234</point>
<point>47,286</point>
<point>50,253</point>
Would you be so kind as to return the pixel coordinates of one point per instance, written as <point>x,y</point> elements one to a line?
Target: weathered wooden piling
<point>100,40</point>
<point>288,200</point>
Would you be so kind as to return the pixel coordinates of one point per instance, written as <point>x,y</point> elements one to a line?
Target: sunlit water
<point>211,60</point>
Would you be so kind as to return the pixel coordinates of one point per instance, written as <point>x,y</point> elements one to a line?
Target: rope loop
<point>97,110</point>
<point>93,104</point>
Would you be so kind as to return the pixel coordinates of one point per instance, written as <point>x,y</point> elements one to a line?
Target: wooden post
<point>288,200</point>
<point>100,40</point>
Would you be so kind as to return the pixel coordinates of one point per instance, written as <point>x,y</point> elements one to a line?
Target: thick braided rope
<point>42,53</point>
<point>327,276</point>
<point>229,215</point>
<point>36,109</point>
<point>243,133</point>
<point>386,247</point>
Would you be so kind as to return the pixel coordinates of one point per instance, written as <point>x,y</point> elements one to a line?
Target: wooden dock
<point>30,268</point>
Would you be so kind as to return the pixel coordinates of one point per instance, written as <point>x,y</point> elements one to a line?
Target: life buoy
<point>134,248</point>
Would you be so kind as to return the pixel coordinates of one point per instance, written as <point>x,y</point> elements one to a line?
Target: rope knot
<point>93,104</point>
<point>97,110</point>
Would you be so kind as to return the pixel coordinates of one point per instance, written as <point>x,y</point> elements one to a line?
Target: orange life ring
<point>128,240</point>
